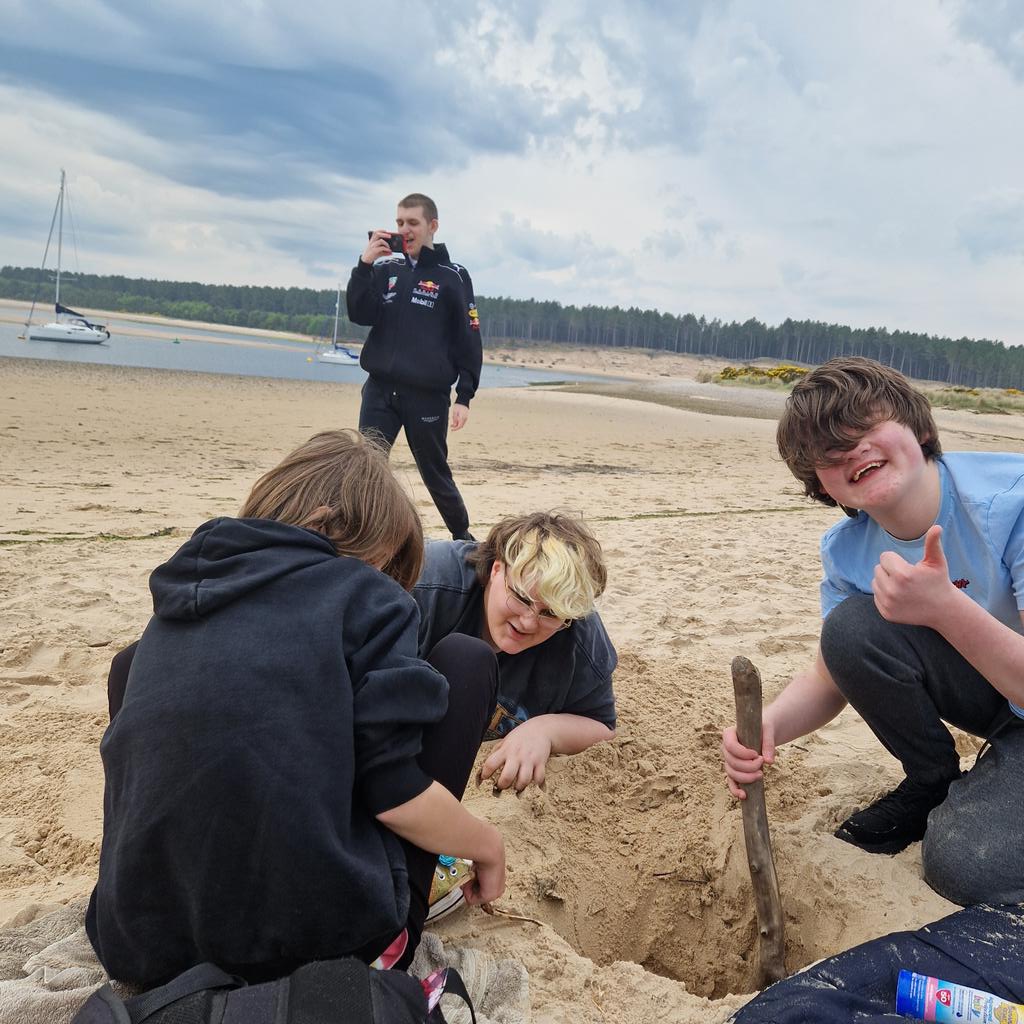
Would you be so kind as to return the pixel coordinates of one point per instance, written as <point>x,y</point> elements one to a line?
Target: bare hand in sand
<point>915,595</point>
<point>488,881</point>
<point>460,414</point>
<point>520,758</point>
<point>743,765</point>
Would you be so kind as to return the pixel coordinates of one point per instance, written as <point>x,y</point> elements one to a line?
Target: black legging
<point>447,755</point>
<point>449,750</point>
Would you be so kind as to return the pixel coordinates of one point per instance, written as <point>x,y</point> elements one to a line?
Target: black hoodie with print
<point>425,330</point>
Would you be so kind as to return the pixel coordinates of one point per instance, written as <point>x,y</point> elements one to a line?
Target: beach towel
<point>982,947</point>
<point>48,970</point>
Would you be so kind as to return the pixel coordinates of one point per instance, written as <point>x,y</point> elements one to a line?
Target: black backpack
<point>342,991</point>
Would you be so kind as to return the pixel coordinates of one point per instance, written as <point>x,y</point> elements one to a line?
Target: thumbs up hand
<point>915,595</point>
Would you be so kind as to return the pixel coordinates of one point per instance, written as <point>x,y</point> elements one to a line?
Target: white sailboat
<point>69,325</point>
<point>338,353</point>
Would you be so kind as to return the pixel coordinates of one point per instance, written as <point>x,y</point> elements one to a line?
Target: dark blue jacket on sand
<point>274,706</point>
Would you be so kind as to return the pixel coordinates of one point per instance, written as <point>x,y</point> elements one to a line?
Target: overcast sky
<point>857,162</point>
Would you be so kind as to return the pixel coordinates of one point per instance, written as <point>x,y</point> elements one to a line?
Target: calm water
<point>157,347</point>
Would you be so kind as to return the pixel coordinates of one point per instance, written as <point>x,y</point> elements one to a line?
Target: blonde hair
<point>339,483</point>
<point>554,553</point>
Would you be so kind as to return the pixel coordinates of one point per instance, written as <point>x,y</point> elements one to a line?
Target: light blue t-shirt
<point>982,520</point>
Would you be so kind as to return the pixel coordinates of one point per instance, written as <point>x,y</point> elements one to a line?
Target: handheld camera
<point>395,240</point>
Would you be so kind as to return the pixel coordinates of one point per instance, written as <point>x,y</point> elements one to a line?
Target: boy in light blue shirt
<point>922,603</point>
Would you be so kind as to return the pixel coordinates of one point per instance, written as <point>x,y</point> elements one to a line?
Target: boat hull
<point>342,358</point>
<point>68,332</point>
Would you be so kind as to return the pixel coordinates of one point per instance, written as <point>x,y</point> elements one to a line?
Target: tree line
<point>294,310</point>
<point>961,361</point>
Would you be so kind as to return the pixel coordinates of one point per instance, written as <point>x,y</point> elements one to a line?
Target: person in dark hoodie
<point>424,338</point>
<point>528,591</point>
<point>282,769</point>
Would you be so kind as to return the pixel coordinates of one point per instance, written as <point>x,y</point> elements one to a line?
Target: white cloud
<point>851,163</point>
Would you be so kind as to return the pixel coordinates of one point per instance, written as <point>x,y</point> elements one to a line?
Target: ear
<point>496,567</point>
<point>432,227</point>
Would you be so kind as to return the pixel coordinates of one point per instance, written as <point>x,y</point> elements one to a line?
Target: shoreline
<point>639,364</point>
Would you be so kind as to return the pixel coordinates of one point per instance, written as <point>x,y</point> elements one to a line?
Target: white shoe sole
<point>446,905</point>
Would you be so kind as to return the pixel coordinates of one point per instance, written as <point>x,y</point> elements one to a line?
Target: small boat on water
<point>338,353</point>
<point>70,325</point>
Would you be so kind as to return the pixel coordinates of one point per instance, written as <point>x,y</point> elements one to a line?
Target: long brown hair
<point>836,404</point>
<point>340,484</point>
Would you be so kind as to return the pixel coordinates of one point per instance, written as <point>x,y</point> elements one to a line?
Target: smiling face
<point>882,472</point>
<point>508,625</point>
<point>414,227</point>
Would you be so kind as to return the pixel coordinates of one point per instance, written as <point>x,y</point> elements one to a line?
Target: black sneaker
<point>895,820</point>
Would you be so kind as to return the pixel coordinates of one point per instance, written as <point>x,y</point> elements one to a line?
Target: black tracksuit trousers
<point>906,682</point>
<point>386,409</point>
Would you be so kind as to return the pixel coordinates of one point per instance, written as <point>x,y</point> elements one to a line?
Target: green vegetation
<point>778,377</point>
<point>991,400</point>
<point>994,400</point>
<point>962,362</point>
<point>295,310</point>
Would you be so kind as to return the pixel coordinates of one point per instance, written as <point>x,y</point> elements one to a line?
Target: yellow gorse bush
<point>784,374</point>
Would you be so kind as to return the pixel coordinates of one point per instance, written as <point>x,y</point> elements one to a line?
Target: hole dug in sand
<point>636,853</point>
<point>630,861</point>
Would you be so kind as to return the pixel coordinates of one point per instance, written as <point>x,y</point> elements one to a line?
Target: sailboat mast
<point>337,311</point>
<point>60,231</point>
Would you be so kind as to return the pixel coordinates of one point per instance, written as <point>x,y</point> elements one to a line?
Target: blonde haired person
<point>528,591</point>
<point>282,769</point>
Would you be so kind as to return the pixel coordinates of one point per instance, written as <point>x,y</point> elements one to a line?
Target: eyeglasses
<point>521,604</point>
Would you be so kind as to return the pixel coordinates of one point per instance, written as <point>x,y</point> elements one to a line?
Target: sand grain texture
<point>633,856</point>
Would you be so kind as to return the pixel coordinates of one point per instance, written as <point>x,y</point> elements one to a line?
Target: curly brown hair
<point>340,484</point>
<point>836,404</point>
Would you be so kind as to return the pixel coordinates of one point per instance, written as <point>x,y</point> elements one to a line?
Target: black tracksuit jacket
<point>274,707</point>
<point>424,328</point>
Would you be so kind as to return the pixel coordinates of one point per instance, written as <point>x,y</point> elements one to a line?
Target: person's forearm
<point>991,647</point>
<point>435,821</point>
<point>360,300</point>
<point>571,734</point>
<point>809,701</point>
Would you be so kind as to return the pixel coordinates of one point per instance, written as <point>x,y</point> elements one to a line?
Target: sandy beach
<point>631,861</point>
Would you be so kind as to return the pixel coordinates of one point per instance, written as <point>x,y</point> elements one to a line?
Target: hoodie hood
<point>225,559</point>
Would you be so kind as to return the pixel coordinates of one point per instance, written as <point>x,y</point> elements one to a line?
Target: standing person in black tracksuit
<point>424,337</point>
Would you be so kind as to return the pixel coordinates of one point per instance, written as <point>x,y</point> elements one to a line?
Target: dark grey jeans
<point>906,681</point>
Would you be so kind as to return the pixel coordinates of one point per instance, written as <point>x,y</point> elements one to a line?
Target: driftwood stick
<point>746,681</point>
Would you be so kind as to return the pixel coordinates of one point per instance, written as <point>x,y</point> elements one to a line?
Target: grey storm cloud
<point>550,251</point>
<point>998,25</point>
<point>367,110</point>
<point>994,226</point>
<point>284,121</point>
